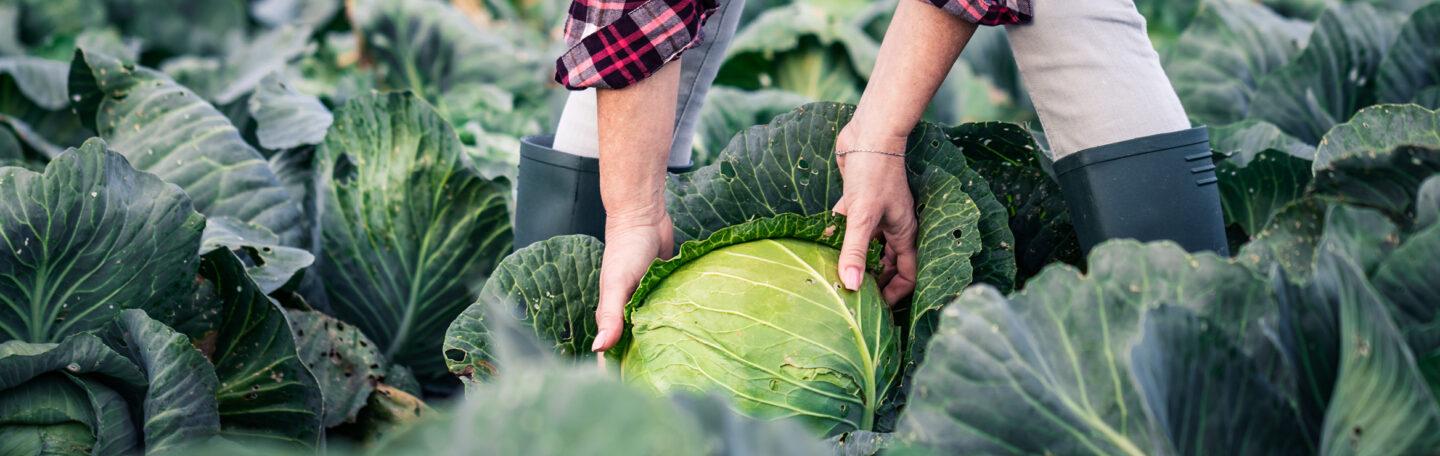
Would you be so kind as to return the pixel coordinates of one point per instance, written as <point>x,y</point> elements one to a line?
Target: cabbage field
<point>284,227</point>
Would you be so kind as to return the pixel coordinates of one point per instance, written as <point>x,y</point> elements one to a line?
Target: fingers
<point>902,242</point>
<point>859,229</point>
<point>628,254</point>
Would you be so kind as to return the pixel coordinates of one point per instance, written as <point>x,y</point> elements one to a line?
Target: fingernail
<point>851,278</point>
<point>595,347</point>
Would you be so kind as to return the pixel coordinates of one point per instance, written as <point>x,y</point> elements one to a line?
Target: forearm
<point>917,53</point>
<point>636,126</point>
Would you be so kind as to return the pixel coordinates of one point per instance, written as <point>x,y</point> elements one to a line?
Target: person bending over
<point>1127,160</point>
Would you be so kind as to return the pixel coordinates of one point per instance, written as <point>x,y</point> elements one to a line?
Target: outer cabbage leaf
<point>346,364</point>
<point>1332,78</point>
<point>804,49</point>
<point>179,26</point>
<point>1411,64</point>
<point>1220,60</point>
<point>553,286</point>
<point>756,313</point>
<point>1007,156</point>
<point>165,129</point>
<point>1241,141</point>
<point>96,393</point>
<point>1204,394</point>
<point>1288,240</point>
<point>1385,180</point>
<point>267,262</point>
<point>34,106</point>
<point>308,13</point>
<point>1047,370</point>
<point>1377,129</point>
<point>237,73</point>
<point>87,239</point>
<point>410,229</point>
<point>1402,280</point>
<point>1429,98</point>
<point>1381,402</point>
<point>729,111</point>
<point>468,73</point>
<point>286,118</point>
<point>266,392</point>
<point>179,407</point>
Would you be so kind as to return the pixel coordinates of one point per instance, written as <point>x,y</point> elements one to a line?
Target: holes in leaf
<point>727,170</point>
<point>455,355</point>
<point>565,331</point>
<point>957,234</point>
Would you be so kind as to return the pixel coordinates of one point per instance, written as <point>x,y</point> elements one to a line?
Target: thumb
<point>608,319</point>
<point>859,229</point>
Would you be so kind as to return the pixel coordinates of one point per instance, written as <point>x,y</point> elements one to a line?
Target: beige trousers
<point>1093,74</point>
<point>1088,65</point>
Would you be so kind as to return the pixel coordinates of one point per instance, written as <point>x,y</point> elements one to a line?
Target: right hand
<point>632,242</point>
<point>878,205</point>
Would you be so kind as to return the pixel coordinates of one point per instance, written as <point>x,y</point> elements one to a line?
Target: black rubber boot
<point>558,193</point>
<point>1148,189</point>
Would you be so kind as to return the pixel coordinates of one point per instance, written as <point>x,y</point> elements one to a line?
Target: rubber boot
<point>558,193</point>
<point>1160,187</point>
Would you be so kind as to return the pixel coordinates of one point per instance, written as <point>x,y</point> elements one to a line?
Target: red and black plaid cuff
<point>636,37</point>
<point>988,12</point>
<point>636,44</point>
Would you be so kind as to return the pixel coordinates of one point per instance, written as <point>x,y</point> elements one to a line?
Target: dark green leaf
<point>1205,394</point>
<point>179,408</point>
<point>1332,78</point>
<point>1402,278</point>
<point>1046,370</point>
<point>553,286</point>
<point>1429,98</point>
<point>1008,158</point>
<point>266,261</point>
<point>87,239</point>
<point>804,49</point>
<point>411,231</point>
<point>433,49</point>
<point>266,392</point>
<point>344,362</point>
<point>34,105</point>
<point>1251,193</point>
<point>165,129</point>
<point>1377,129</point>
<point>223,80</point>
<point>1220,60</point>
<point>1388,180</point>
<point>1242,141</point>
<point>1412,63</point>
<point>179,26</point>
<point>1381,403</point>
<point>286,118</point>
<point>94,392</point>
<point>729,111</point>
<point>1289,240</point>
<point>1164,20</point>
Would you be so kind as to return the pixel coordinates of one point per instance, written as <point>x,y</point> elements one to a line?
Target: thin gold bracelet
<point>842,153</point>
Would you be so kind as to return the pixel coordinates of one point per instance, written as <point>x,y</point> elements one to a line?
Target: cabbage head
<point>757,313</point>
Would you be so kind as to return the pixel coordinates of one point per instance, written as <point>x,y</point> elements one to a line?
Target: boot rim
<point>538,148</point>
<point>1129,148</point>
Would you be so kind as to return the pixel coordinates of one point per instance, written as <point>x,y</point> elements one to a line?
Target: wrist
<point>867,132</point>
<point>635,214</point>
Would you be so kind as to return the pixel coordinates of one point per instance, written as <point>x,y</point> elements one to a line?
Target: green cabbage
<point>757,313</point>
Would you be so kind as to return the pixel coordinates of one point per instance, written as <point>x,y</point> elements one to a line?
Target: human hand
<point>632,242</point>
<point>877,204</point>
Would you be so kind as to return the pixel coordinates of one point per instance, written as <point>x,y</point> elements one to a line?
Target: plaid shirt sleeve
<point>614,43</point>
